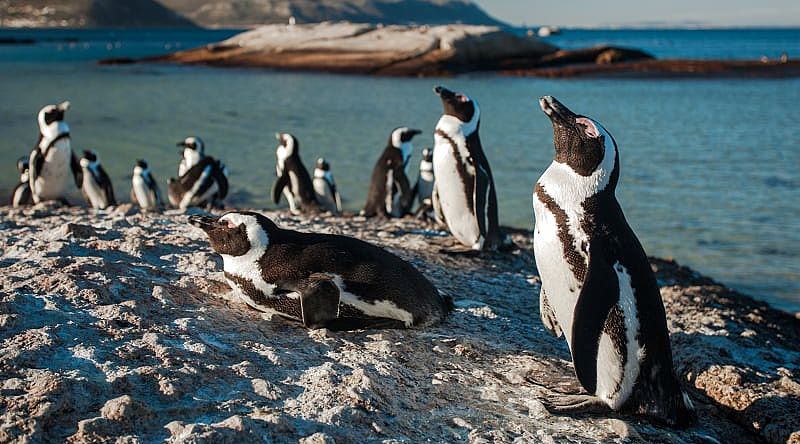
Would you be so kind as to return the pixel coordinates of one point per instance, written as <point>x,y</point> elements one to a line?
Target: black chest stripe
<point>614,327</point>
<point>466,180</point>
<point>571,253</point>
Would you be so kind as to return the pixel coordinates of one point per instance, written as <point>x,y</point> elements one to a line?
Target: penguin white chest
<point>142,193</point>
<point>94,192</point>
<point>558,281</point>
<point>56,172</point>
<point>455,176</point>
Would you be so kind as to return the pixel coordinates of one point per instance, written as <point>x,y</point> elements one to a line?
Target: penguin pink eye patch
<point>462,98</point>
<point>591,129</point>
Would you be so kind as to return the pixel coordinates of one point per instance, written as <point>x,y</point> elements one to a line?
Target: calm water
<point>709,167</point>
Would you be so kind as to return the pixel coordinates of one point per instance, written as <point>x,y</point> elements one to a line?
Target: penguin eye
<point>462,98</point>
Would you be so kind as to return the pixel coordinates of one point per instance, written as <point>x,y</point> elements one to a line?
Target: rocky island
<point>444,50</point>
<point>117,326</point>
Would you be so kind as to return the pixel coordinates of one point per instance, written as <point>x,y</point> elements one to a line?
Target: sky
<point>586,13</point>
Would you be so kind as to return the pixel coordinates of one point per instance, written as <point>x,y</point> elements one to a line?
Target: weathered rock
<point>365,48</point>
<point>130,335</point>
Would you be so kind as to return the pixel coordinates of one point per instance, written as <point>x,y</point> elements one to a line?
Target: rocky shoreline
<point>116,326</point>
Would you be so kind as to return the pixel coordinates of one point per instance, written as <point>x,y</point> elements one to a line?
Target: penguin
<point>96,186</point>
<point>320,280</point>
<point>464,196</point>
<point>193,150</point>
<point>598,289</point>
<point>293,178</point>
<point>423,189</point>
<point>325,187</point>
<point>205,184</point>
<point>21,195</point>
<point>144,188</point>
<point>389,189</point>
<point>52,161</point>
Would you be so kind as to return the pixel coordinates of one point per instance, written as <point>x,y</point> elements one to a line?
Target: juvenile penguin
<point>389,188</point>
<point>193,150</point>
<point>320,280</point>
<point>597,285</point>
<point>96,186</point>
<point>423,189</point>
<point>464,196</point>
<point>21,195</point>
<point>204,185</point>
<point>52,162</point>
<point>325,187</point>
<point>293,178</point>
<point>144,188</point>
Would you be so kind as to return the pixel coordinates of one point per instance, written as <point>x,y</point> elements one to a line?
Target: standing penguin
<point>423,189</point>
<point>597,285</point>
<point>144,188</point>
<point>96,186</point>
<point>21,195</point>
<point>389,189</point>
<point>325,187</point>
<point>464,196</point>
<point>293,179</point>
<point>193,150</point>
<point>52,161</point>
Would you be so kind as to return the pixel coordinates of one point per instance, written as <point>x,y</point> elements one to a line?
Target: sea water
<point>709,166</point>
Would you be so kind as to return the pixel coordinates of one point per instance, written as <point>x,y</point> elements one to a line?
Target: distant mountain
<point>89,14</point>
<point>233,13</point>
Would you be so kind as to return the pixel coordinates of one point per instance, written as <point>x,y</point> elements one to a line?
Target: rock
<point>141,345</point>
<point>370,49</point>
<point>317,438</point>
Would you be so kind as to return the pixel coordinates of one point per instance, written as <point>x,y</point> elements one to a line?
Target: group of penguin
<point>597,287</point>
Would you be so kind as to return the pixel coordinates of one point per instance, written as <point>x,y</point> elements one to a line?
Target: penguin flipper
<point>36,162</point>
<point>437,206</point>
<point>77,171</point>
<point>599,294</point>
<point>482,182</point>
<point>221,178</point>
<point>319,303</point>
<point>278,186</point>
<point>548,317</point>
<point>406,199</point>
<point>108,188</point>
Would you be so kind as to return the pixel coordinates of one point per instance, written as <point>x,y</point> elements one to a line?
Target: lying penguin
<point>597,285</point>
<point>21,195</point>
<point>320,280</point>
<point>205,184</point>
<point>96,185</point>
<point>325,187</point>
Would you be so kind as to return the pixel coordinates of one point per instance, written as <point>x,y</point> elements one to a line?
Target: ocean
<point>709,166</point>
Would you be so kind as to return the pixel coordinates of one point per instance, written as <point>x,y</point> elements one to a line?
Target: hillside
<point>241,13</point>
<point>88,14</point>
<point>233,13</point>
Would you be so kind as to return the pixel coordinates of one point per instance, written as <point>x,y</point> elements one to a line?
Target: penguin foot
<point>572,404</point>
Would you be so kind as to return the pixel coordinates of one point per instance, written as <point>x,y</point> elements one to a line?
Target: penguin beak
<point>556,111</point>
<point>205,223</point>
<point>181,143</point>
<point>414,132</point>
<point>444,93</point>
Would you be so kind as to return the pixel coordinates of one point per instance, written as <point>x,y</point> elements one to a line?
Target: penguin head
<point>23,164</point>
<point>458,105</point>
<point>141,167</point>
<point>89,158</point>
<point>192,143</point>
<point>323,164</point>
<point>403,135</point>
<point>236,233</point>
<point>287,145</point>
<point>51,119</point>
<point>580,142</point>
